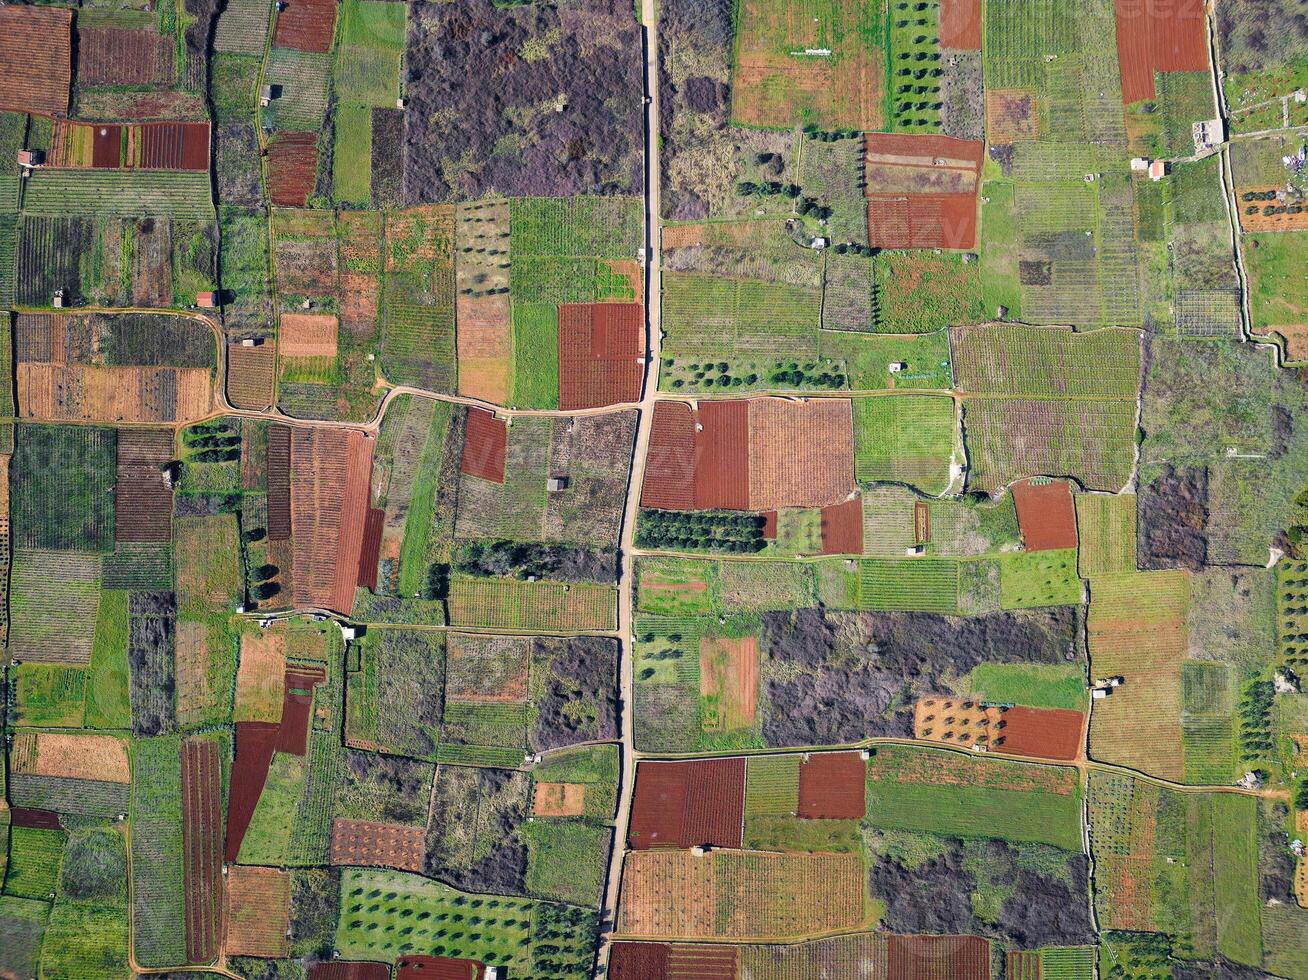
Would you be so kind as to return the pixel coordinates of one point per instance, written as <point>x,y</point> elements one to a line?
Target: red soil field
<point>842,528</point>
<point>960,24</point>
<point>686,804</point>
<point>202,825</point>
<point>297,703</point>
<point>938,958</point>
<point>832,786</point>
<point>722,456</point>
<point>175,146</point>
<point>349,970</point>
<point>35,59</point>
<point>255,742</point>
<point>373,525</point>
<point>279,483</point>
<point>22,816</point>
<point>638,961</point>
<point>599,348</point>
<point>922,220</point>
<point>292,167</point>
<point>670,466</point>
<point>1046,514</point>
<point>1158,35</point>
<point>437,968</point>
<point>769,525</point>
<point>354,509</point>
<point>107,147</point>
<point>306,25</point>
<point>143,501</point>
<point>688,961</point>
<point>924,151</point>
<point>1046,733</point>
<point>485,439</point>
<point>114,56</point>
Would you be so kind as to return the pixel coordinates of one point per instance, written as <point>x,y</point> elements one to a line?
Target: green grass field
<point>34,859</point>
<point>566,860</point>
<point>352,154</point>
<point>269,836</point>
<point>955,795</point>
<point>535,355</point>
<point>49,695</point>
<point>1034,685</point>
<point>511,604</point>
<point>772,785</point>
<point>156,814</point>
<point>910,584</point>
<point>87,942</point>
<point>422,501</point>
<point>1278,291</point>
<point>120,193</point>
<point>1039,578</point>
<point>905,439</point>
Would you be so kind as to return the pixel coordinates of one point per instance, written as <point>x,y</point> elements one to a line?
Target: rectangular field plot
<point>911,584</point>
<point>713,315</point>
<point>53,600</point>
<point>956,795</point>
<point>1046,362</point>
<point>740,894</point>
<point>1106,531</point>
<point>1011,438</point>
<point>80,463</point>
<point>905,439</point>
<point>513,604</point>
<point>1137,629</point>
<point>158,890</point>
<point>120,193</point>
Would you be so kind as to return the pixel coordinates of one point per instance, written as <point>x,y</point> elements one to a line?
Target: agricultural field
<point>758,490</point>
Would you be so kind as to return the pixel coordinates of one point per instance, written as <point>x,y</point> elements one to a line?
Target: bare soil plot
<point>346,970</point>
<point>687,804</point>
<point>35,59</point>
<point>558,800</point>
<point>600,350</point>
<point>307,335</point>
<point>931,957</point>
<point>306,25</point>
<point>722,455</point>
<point>367,843</point>
<point>202,834</point>
<point>842,528</point>
<point>254,745</point>
<point>1047,733</point>
<point>258,912</point>
<point>670,466</point>
<point>921,190</point>
<point>922,220</point>
<point>1158,36</point>
<point>292,168</point>
<point>960,24</point>
<point>329,498</point>
<point>485,442</point>
<point>117,56</point>
<point>832,786</point>
<point>92,393</point>
<point>801,453</point>
<point>1046,514</point>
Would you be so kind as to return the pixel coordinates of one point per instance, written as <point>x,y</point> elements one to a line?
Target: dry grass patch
<point>258,912</point>
<point>558,800</point>
<point>99,757</point>
<point>260,676</point>
<point>308,335</point>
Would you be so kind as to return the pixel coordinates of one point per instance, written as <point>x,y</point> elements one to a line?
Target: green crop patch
<point>952,794</point>
<point>35,857</point>
<point>120,193</point>
<point>157,887</point>
<point>772,785</point>
<point>905,439</point>
<point>1032,685</point>
<point>909,585</point>
<point>1039,578</point>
